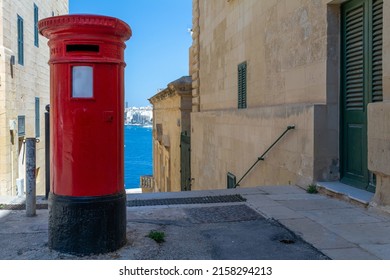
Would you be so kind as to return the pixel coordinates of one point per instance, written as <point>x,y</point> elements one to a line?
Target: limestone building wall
<point>20,86</point>
<point>379,125</point>
<point>294,75</point>
<point>285,47</point>
<point>283,42</point>
<point>171,117</point>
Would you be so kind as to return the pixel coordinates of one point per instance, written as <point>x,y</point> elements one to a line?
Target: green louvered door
<point>361,83</point>
<point>185,162</point>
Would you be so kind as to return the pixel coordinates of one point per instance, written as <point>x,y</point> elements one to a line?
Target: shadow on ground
<point>192,232</point>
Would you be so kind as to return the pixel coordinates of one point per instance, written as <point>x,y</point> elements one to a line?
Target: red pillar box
<point>87,197</point>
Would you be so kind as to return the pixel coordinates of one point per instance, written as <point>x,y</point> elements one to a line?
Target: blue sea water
<point>138,154</point>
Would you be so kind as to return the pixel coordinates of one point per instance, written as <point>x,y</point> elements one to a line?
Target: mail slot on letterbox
<point>86,127</point>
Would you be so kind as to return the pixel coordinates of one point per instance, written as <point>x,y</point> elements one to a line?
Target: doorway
<point>361,61</point>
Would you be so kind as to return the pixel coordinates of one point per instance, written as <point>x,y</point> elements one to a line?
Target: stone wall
<point>291,50</point>
<point>171,117</point>
<point>232,140</point>
<point>379,125</point>
<point>283,42</point>
<point>20,85</point>
<point>166,161</point>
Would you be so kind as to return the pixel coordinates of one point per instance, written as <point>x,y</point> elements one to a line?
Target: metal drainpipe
<point>47,151</point>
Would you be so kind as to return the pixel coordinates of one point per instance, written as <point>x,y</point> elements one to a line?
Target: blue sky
<point>157,52</point>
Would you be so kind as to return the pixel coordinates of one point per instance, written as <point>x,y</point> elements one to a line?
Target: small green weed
<point>312,189</point>
<point>1,206</point>
<point>157,236</point>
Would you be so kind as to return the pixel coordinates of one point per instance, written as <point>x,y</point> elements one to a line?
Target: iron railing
<point>146,181</point>
<point>290,127</point>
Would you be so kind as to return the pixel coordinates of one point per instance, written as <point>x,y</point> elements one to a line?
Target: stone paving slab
<point>242,191</point>
<point>380,250</point>
<point>295,196</point>
<point>315,204</point>
<point>281,190</point>
<point>341,216</point>
<point>349,254</point>
<point>371,233</point>
<point>316,234</point>
<point>338,228</point>
<point>279,212</point>
<point>260,201</point>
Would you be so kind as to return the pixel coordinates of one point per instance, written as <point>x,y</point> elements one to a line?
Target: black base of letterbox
<point>87,225</point>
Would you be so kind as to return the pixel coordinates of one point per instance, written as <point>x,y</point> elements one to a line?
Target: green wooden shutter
<point>21,125</point>
<point>37,118</point>
<point>242,85</point>
<point>36,34</point>
<point>377,31</point>
<point>355,86</point>
<point>354,62</point>
<point>185,161</point>
<point>20,41</point>
<point>362,83</point>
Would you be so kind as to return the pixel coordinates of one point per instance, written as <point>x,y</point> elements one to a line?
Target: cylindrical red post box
<point>87,197</point>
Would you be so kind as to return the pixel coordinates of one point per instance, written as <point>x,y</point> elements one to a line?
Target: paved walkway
<point>332,228</point>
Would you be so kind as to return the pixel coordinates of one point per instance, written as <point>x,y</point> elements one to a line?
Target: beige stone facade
<point>379,125</point>
<point>171,122</point>
<point>294,76</point>
<point>24,86</point>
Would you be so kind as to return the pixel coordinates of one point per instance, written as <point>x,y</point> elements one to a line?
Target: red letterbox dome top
<point>84,24</point>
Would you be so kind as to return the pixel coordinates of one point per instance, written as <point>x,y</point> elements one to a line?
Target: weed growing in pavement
<point>157,236</point>
<point>312,189</point>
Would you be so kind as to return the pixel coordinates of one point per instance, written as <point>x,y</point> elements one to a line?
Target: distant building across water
<point>139,116</point>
